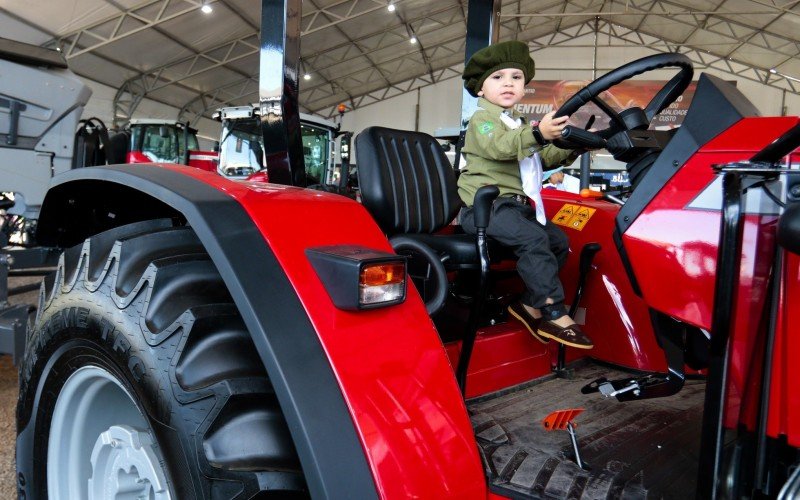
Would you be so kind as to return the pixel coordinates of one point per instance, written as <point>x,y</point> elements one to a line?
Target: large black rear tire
<point>137,321</point>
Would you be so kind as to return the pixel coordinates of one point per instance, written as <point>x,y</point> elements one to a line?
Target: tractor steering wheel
<point>573,136</point>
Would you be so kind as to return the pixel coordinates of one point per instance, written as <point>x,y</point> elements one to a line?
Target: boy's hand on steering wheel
<point>551,127</point>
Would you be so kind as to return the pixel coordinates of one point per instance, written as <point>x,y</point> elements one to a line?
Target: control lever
<point>587,256</point>
<point>586,139</point>
<point>610,197</point>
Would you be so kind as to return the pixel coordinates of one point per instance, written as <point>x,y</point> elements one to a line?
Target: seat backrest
<point>406,181</point>
<point>120,147</point>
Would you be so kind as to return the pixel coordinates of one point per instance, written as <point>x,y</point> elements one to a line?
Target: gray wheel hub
<point>125,466</point>
<point>100,445</point>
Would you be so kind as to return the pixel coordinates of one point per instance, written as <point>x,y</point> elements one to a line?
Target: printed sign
<point>544,96</point>
<point>573,216</point>
<point>565,214</point>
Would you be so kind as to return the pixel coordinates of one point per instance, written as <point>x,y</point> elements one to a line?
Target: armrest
<point>483,204</point>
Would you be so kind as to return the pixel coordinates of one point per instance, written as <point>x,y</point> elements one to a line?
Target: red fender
<point>390,363</point>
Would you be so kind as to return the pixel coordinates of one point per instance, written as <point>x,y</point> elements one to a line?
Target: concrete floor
<point>8,402</point>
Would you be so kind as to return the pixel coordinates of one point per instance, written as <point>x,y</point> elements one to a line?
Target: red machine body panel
<point>784,399</point>
<point>392,368</point>
<point>615,317</point>
<point>678,225</point>
<point>784,408</point>
<point>204,160</point>
<point>503,356</point>
<point>137,157</point>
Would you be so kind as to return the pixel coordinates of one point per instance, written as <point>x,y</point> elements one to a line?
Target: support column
<point>483,29</point>
<point>278,91</point>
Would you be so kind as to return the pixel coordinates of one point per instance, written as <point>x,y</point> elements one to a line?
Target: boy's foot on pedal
<point>571,335</point>
<point>517,309</point>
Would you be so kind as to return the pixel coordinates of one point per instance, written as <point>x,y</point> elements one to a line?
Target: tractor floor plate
<point>635,450</point>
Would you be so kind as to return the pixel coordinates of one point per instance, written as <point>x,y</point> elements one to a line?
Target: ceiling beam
<point>99,56</point>
<point>143,16</point>
<point>320,18</point>
<point>136,88</point>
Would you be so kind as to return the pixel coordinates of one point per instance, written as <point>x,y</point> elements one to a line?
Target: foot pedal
<point>627,389</point>
<point>561,420</point>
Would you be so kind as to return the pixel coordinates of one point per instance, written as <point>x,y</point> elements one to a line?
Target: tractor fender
<point>354,385</point>
<point>90,200</point>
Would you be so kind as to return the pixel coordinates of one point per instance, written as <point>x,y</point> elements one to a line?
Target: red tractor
<point>205,338</point>
<point>166,141</point>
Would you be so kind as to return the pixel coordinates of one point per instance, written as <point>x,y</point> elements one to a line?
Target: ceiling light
<point>306,77</point>
<point>773,70</point>
<point>413,39</point>
<point>391,7</point>
<point>206,9</point>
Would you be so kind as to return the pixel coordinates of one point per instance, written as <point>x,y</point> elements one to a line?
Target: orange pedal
<point>558,420</point>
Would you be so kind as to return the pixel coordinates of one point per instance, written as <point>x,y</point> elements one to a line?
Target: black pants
<point>541,250</point>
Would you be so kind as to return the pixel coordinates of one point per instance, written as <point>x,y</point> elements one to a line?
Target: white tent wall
<point>792,104</point>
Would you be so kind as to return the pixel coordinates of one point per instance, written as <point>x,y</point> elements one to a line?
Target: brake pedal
<point>561,420</point>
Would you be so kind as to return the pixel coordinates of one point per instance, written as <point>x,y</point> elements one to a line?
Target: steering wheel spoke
<point>616,124</point>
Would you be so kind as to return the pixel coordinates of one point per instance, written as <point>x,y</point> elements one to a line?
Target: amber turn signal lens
<point>358,277</point>
<point>389,273</point>
<point>382,283</point>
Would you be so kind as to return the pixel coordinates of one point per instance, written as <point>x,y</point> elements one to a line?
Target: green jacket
<point>493,152</point>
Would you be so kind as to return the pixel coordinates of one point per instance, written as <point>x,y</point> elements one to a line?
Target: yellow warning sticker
<point>574,216</point>
<point>565,214</point>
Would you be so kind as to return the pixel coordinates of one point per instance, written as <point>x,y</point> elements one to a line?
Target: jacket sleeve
<point>496,142</point>
<point>553,156</point>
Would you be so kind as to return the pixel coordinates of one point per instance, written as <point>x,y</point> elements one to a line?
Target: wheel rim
<point>100,444</point>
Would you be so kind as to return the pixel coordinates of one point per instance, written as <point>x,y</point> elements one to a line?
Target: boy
<point>500,149</point>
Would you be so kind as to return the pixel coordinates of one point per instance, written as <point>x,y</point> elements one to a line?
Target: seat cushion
<point>461,250</point>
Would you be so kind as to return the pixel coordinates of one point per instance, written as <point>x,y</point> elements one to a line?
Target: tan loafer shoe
<point>571,335</point>
<point>532,324</point>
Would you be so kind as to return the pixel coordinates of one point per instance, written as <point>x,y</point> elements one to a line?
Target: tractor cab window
<point>193,144</point>
<point>316,154</point>
<point>163,143</point>
<point>241,151</point>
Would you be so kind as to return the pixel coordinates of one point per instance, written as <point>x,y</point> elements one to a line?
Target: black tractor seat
<point>409,187</point>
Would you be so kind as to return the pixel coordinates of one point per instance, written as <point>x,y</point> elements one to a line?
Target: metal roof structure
<point>358,51</point>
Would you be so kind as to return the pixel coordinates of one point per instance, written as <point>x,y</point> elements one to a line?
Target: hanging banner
<point>543,96</point>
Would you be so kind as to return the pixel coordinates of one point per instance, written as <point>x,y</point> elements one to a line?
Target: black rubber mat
<point>635,450</point>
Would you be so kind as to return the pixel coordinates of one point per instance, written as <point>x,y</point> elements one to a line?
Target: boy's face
<point>504,87</point>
